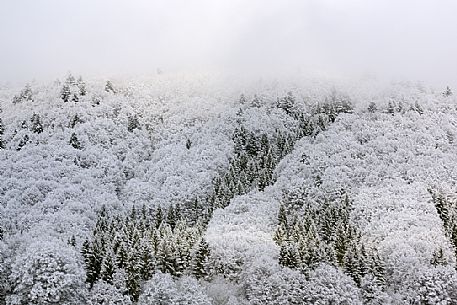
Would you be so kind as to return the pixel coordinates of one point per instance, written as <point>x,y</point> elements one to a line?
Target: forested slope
<point>203,190</point>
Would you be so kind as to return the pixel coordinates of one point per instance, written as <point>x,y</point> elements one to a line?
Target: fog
<point>410,39</point>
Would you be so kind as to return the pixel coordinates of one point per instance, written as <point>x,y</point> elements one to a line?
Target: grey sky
<point>414,39</point>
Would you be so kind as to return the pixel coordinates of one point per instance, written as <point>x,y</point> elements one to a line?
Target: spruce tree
<point>132,123</point>
<point>65,93</point>
<point>288,255</point>
<point>81,86</point>
<point>36,127</point>
<point>108,268</point>
<point>23,142</point>
<point>372,107</point>
<point>74,120</point>
<point>391,108</point>
<point>74,141</point>
<point>188,143</point>
<point>438,258</point>
<point>200,261</point>
<point>447,92</point>
<point>109,87</point>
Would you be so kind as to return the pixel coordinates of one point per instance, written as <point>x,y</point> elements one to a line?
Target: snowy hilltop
<point>203,189</point>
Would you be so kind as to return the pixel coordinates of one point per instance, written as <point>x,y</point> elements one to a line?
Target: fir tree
<point>65,93</point>
<point>132,123</point>
<point>188,144</point>
<point>447,92</point>
<point>109,87</point>
<point>81,86</point>
<point>36,127</point>
<point>372,107</point>
<point>438,258</point>
<point>75,98</point>
<point>200,261</point>
<point>74,141</point>
<point>108,268</point>
<point>391,108</point>
<point>282,216</point>
<point>23,142</point>
<point>74,120</point>
<point>288,255</point>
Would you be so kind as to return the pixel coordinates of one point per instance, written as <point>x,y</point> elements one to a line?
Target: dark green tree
<point>65,93</point>
<point>23,142</point>
<point>200,262</point>
<point>74,141</point>
<point>81,86</point>
<point>109,87</point>
<point>37,126</point>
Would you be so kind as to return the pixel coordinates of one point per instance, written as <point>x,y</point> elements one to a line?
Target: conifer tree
<point>65,93</point>
<point>75,98</point>
<point>74,120</point>
<point>2,130</point>
<point>391,108</point>
<point>438,258</point>
<point>81,86</point>
<point>188,143</point>
<point>447,92</point>
<point>74,141</point>
<point>132,123</point>
<point>36,127</point>
<point>288,255</point>
<point>200,261</point>
<point>23,142</point>
<point>372,107</point>
<point>109,87</point>
<point>108,268</point>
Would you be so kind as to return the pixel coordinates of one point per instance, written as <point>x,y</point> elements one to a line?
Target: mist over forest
<point>228,152</point>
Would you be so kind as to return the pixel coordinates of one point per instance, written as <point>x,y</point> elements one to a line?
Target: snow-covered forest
<point>200,189</point>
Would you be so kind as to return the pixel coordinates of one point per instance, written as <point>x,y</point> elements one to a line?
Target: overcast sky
<point>414,39</point>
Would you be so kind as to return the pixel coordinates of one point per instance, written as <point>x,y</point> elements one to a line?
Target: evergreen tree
<point>282,216</point>
<point>242,100</point>
<point>372,107</point>
<point>75,98</point>
<point>109,87</point>
<point>447,92</point>
<point>188,144</point>
<point>108,268</point>
<point>65,93</point>
<point>36,127</point>
<point>171,217</point>
<point>286,103</point>
<point>81,86</point>
<point>438,258</point>
<point>74,120</point>
<point>23,142</point>
<point>74,141</point>
<point>132,123</point>
<point>71,81</point>
<point>158,218</point>
<point>288,255</point>
<point>2,128</point>
<point>200,262</point>
<point>391,108</point>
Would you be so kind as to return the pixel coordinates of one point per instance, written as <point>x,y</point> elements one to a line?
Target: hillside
<point>199,189</point>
